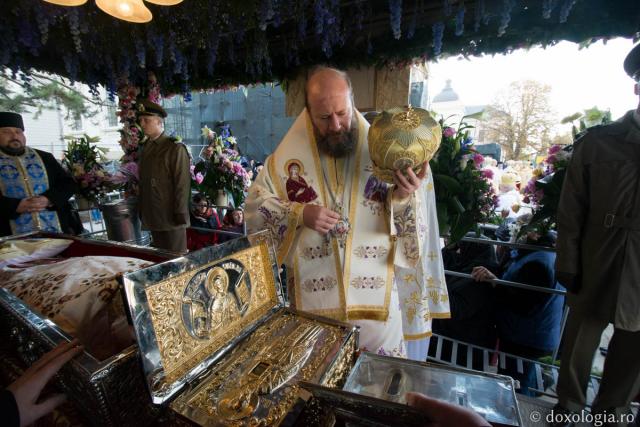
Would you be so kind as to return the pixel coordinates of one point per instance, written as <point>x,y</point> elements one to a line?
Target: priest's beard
<point>16,150</point>
<point>338,144</point>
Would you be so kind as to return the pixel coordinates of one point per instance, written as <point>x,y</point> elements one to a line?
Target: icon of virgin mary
<point>297,188</point>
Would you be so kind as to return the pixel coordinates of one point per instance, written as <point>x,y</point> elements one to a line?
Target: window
<point>112,118</point>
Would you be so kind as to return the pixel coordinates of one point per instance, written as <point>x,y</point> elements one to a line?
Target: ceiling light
<point>127,10</point>
<point>67,2</point>
<point>165,2</point>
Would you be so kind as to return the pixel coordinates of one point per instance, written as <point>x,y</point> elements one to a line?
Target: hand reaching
<point>443,414</point>
<point>26,389</point>
<point>481,274</point>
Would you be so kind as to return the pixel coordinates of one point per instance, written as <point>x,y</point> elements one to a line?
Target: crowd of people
<point>347,260</point>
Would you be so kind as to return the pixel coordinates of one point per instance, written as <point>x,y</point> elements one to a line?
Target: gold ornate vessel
<point>402,138</point>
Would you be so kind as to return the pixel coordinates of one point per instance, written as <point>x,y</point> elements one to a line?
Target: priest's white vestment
<point>385,274</point>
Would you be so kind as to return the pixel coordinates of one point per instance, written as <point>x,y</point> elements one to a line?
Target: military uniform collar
<point>633,126</point>
<point>158,138</point>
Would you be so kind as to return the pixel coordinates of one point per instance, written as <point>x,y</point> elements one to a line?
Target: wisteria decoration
<point>460,19</point>
<point>547,8</point>
<point>395,15</point>
<point>505,16</point>
<point>206,44</point>
<point>479,15</point>
<point>438,33</point>
<point>565,9</point>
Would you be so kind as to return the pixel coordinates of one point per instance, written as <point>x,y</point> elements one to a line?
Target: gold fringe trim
<point>418,336</point>
<point>440,315</point>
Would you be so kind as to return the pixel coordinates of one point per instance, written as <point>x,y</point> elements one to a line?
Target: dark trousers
<point>171,240</point>
<point>621,377</point>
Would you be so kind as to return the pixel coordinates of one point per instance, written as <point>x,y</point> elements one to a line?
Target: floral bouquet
<point>81,159</point>
<point>464,194</point>
<point>221,168</point>
<point>543,189</point>
<point>132,137</point>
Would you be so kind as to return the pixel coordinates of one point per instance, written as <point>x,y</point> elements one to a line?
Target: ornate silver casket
<point>108,392</point>
<point>218,344</point>
<point>374,393</point>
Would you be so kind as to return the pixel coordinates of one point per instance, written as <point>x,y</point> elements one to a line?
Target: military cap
<point>144,107</point>
<point>632,62</point>
<point>9,119</point>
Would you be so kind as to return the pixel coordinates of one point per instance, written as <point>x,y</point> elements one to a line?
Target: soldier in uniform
<point>165,181</point>
<point>598,260</point>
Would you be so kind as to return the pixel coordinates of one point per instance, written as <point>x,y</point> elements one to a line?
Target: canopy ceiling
<point>206,44</point>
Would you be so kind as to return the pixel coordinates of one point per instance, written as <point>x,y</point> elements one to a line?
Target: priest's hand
<point>319,218</point>
<point>444,414</point>
<point>32,204</point>
<point>26,389</point>
<point>407,182</point>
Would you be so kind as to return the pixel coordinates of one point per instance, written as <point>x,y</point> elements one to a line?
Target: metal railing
<point>534,288</point>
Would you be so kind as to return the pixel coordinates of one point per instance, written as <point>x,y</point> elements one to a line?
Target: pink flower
<point>551,159</point>
<point>487,173</point>
<point>478,160</point>
<point>199,178</point>
<point>554,149</point>
<point>448,132</point>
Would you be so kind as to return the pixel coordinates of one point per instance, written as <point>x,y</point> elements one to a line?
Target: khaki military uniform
<point>165,188</point>
<point>599,244</point>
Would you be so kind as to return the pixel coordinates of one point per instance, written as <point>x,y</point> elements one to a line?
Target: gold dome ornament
<point>400,138</point>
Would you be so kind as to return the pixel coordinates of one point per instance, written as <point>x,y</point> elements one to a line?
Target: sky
<point>579,78</point>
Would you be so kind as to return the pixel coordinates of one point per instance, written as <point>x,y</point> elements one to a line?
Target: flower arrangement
<point>131,135</point>
<point>221,168</point>
<point>543,189</point>
<point>464,194</point>
<point>81,159</point>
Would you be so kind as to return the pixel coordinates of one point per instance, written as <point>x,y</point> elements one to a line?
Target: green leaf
<point>449,183</point>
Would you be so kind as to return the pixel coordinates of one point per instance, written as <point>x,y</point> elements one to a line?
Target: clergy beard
<point>337,144</point>
<point>11,151</point>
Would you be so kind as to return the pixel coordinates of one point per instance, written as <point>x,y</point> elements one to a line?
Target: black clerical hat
<point>632,62</point>
<point>9,119</point>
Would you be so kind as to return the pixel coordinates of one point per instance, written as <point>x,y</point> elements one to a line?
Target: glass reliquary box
<point>105,382</point>
<point>218,345</point>
<point>375,392</point>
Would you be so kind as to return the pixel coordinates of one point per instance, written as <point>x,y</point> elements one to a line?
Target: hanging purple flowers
<point>438,33</point>
<point>547,8</point>
<point>565,9</point>
<point>460,19</point>
<point>505,16</point>
<point>395,15</point>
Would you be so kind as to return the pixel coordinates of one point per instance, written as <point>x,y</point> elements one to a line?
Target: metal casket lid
<point>189,311</point>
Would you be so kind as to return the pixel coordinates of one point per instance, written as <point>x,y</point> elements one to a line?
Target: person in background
<point>599,260</point>
<point>509,198</point>
<point>34,188</point>
<point>165,181</point>
<point>528,322</point>
<point>20,403</point>
<point>234,221</point>
<point>202,215</point>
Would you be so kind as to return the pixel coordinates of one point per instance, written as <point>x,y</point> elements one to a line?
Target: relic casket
<point>401,138</point>
<point>105,382</point>
<point>374,393</point>
<point>219,346</point>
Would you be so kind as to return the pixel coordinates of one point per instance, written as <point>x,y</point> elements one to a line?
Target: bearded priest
<point>355,248</point>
